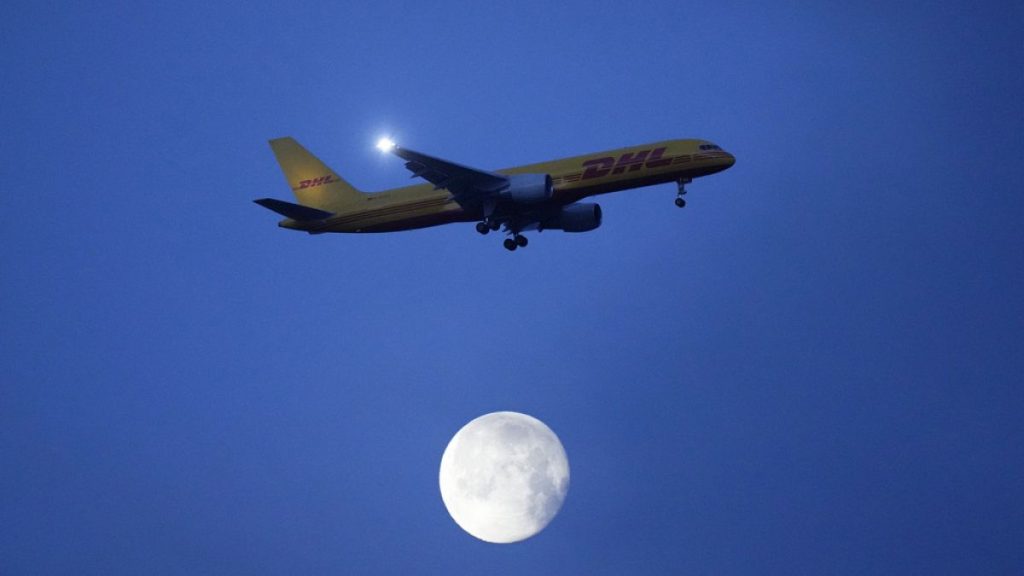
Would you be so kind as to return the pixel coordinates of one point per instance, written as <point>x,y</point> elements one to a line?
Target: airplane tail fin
<point>313,182</point>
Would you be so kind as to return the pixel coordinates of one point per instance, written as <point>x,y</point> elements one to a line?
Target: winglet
<point>294,211</point>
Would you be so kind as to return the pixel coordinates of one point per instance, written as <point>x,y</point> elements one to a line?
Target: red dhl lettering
<point>630,161</point>
<point>316,181</point>
<point>598,167</point>
<point>656,160</point>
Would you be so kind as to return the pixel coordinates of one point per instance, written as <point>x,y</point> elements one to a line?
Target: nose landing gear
<point>681,190</point>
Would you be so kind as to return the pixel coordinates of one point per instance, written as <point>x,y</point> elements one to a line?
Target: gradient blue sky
<point>814,368</point>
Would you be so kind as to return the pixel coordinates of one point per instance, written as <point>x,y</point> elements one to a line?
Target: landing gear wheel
<point>510,244</point>
<point>522,241</point>
<point>680,202</point>
<point>681,188</point>
<point>494,224</point>
<point>482,227</point>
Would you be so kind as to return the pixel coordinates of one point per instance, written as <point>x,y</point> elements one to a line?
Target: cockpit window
<point>710,147</point>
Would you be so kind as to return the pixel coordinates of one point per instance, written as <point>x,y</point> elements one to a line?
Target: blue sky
<point>813,368</point>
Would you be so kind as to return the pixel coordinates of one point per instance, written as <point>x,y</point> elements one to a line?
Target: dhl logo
<point>631,161</point>
<point>316,181</point>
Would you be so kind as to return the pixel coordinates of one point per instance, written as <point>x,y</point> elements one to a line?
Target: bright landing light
<point>385,144</point>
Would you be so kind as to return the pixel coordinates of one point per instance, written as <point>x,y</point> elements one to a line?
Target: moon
<point>504,476</point>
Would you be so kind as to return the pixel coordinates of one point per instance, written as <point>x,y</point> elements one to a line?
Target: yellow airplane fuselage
<point>574,178</point>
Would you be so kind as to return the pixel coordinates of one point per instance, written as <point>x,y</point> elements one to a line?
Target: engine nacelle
<point>578,217</point>
<point>528,188</point>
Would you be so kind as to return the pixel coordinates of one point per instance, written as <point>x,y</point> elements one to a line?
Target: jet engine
<point>528,188</point>
<point>578,217</point>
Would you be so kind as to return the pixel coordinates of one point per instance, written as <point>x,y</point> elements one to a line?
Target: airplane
<point>544,196</point>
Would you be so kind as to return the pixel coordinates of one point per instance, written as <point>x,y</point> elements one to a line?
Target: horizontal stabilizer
<point>293,211</point>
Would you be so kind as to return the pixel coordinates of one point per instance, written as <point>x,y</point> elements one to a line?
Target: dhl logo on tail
<point>316,182</point>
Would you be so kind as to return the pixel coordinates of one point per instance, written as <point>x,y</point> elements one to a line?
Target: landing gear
<point>488,225</point>
<point>514,240</point>
<point>517,241</point>
<point>681,183</point>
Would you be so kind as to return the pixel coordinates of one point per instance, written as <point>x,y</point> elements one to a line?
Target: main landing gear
<point>517,241</point>
<point>487,226</point>
<point>681,183</point>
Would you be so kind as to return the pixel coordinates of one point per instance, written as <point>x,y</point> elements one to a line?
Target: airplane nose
<point>729,160</point>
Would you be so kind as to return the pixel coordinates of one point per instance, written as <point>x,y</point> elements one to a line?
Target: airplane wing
<point>467,185</point>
